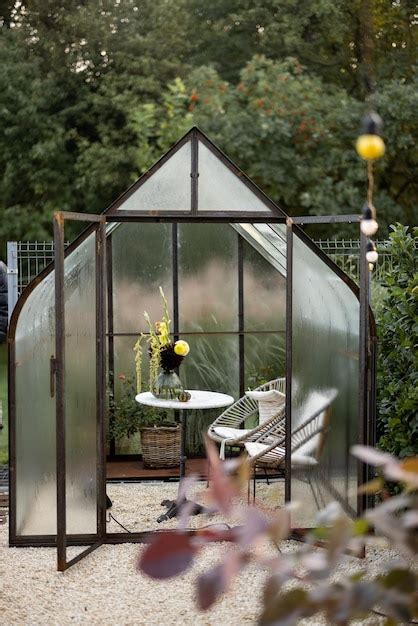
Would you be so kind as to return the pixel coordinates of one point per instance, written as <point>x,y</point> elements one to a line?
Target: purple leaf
<point>169,554</point>
<point>218,580</point>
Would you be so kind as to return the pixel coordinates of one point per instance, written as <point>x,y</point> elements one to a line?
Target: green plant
<point>127,417</point>
<point>397,326</point>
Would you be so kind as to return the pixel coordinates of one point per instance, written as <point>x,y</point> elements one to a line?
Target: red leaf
<point>218,580</point>
<point>168,555</point>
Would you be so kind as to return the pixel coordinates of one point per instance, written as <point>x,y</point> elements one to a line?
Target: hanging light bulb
<point>368,224</point>
<point>371,252</point>
<point>369,144</point>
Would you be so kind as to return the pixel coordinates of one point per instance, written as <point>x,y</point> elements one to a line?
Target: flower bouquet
<point>165,357</point>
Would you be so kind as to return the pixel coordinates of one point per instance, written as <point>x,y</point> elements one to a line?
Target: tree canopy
<point>92,91</point>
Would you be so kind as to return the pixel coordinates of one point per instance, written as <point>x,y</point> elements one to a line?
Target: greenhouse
<point>249,291</point>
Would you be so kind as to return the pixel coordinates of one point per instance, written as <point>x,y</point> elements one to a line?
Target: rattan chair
<point>307,441</point>
<point>229,428</point>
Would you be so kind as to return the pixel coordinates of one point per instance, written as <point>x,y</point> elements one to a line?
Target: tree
<point>293,135</point>
<point>69,78</point>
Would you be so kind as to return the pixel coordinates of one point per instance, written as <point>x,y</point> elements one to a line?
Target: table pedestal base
<point>173,509</point>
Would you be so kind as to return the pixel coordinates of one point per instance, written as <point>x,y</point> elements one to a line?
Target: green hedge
<point>397,327</point>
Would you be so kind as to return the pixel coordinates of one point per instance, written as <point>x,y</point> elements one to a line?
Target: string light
<point>371,252</point>
<point>370,146</point>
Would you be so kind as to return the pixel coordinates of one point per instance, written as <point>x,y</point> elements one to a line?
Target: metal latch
<point>52,373</point>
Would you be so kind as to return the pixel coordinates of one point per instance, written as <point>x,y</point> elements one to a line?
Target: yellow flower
<point>370,147</point>
<point>181,348</point>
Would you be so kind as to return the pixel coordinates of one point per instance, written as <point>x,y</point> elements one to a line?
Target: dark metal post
<point>363,470</point>
<point>289,322</point>
<point>110,328</point>
<point>60,389</point>
<point>183,423</point>
<point>241,338</point>
<point>100,377</point>
<point>194,174</point>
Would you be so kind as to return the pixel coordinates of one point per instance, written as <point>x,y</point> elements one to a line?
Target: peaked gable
<point>194,177</point>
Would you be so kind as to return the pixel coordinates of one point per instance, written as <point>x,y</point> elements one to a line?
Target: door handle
<point>52,373</point>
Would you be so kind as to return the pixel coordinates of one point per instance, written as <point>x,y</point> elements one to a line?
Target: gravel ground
<point>105,587</point>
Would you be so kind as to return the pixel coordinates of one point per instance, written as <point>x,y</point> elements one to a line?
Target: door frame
<point>98,223</point>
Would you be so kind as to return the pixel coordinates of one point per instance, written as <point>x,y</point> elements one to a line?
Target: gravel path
<point>106,589</point>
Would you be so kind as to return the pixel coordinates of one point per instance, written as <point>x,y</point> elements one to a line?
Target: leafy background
<point>92,92</point>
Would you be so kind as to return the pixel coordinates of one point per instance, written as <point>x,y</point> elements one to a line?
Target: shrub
<point>397,326</point>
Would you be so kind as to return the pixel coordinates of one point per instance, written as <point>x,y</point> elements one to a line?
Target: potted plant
<point>166,356</point>
<point>160,438</point>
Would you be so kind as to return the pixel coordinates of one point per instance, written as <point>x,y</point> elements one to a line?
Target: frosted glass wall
<point>35,414</point>
<point>325,358</point>
<point>35,409</point>
<point>80,387</point>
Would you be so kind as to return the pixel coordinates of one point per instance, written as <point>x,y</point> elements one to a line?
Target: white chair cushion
<point>229,433</point>
<point>253,448</point>
<point>303,460</point>
<point>298,460</point>
<point>269,403</point>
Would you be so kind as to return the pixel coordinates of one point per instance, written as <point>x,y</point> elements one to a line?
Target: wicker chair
<point>228,429</point>
<point>307,441</point>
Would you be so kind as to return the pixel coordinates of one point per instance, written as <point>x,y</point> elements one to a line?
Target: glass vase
<point>167,385</point>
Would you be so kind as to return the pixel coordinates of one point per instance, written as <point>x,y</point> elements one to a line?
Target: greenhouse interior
<point>254,298</point>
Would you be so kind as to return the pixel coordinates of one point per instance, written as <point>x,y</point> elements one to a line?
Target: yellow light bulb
<point>370,147</point>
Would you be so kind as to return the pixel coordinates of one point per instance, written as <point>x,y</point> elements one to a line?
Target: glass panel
<point>219,189</point>
<point>265,358</point>
<point>80,387</point>
<point>142,262</point>
<point>35,409</point>
<point>268,240</point>
<point>167,189</point>
<point>125,367</point>
<point>325,357</point>
<point>35,414</point>
<point>208,277</point>
<point>212,364</point>
<point>264,293</point>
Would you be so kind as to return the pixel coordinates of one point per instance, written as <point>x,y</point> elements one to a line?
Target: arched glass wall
<point>325,372</point>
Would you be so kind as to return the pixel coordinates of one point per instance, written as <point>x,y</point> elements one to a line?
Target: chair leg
<point>207,473</point>
<point>266,475</point>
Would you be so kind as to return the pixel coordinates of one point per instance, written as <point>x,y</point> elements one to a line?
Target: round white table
<point>199,400</point>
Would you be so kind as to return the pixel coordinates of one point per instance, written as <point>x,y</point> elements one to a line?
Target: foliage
<point>127,417</point>
<point>397,325</point>
<point>301,584</point>
<point>92,93</point>
<point>293,135</point>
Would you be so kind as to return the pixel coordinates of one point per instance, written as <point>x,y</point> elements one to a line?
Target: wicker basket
<point>161,446</point>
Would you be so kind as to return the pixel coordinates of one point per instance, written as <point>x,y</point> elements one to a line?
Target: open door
<point>78,382</point>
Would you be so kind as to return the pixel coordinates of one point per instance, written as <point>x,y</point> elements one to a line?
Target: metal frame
<point>113,214</point>
<point>100,268</point>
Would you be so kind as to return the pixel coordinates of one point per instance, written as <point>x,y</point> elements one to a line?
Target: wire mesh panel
<point>325,374</point>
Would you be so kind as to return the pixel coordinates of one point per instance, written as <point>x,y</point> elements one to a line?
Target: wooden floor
<point>135,470</point>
